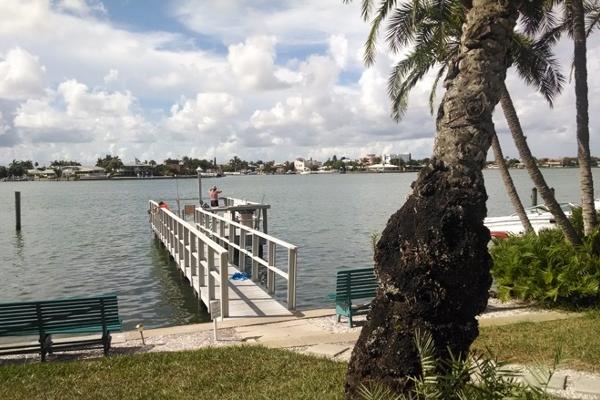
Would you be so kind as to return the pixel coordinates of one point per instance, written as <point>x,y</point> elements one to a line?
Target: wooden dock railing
<point>199,257</point>
<point>235,236</point>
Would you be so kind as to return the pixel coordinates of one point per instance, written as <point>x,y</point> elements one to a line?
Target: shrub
<point>546,268</point>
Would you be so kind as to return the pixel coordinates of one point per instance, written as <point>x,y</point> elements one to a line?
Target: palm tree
<point>573,22</point>
<point>434,27</point>
<point>432,262</point>
<point>583,130</point>
<point>509,184</point>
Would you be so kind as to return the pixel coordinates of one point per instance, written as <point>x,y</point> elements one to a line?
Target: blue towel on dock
<point>240,276</point>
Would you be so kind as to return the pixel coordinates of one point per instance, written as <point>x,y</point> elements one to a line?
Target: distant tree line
<point>188,165</point>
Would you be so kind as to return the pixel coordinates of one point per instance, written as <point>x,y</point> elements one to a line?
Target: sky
<point>263,80</point>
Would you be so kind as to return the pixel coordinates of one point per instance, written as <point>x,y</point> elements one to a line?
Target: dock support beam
<point>18,210</point>
<point>533,197</point>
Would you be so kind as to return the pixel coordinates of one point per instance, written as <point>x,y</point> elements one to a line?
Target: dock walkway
<point>204,253</point>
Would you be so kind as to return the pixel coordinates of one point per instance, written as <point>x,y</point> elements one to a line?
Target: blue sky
<point>254,78</point>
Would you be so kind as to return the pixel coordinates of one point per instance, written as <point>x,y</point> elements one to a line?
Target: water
<point>85,238</point>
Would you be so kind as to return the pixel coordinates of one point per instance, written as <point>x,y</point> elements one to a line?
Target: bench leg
<point>339,317</point>
<point>350,320</point>
<point>106,339</point>
<point>45,346</point>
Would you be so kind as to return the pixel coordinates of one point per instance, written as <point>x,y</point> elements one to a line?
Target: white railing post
<point>210,266</point>
<point>270,273</point>
<point>291,289</point>
<point>242,254</point>
<point>201,270</point>
<point>255,252</point>
<point>224,272</point>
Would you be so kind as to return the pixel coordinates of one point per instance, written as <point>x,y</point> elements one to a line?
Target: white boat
<point>539,216</point>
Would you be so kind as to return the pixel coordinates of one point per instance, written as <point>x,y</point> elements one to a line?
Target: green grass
<point>530,342</point>
<point>241,372</point>
<point>252,372</point>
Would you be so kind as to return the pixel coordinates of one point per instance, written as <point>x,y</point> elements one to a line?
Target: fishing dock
<point>213,245</point>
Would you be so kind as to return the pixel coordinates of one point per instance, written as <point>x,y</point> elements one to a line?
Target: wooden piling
<point>534,197</point>
<point>18,210</point>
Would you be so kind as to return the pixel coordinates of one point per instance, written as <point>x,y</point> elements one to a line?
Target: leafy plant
<point>546,268</point>
<point>473,377</point>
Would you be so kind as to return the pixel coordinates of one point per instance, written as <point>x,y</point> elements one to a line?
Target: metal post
<point>534,197</point>
<point>199,171</point>
<point>265,226</point>
<point>18,209</point>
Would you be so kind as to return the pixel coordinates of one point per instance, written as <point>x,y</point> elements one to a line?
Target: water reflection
<point>177,297</point>
<point>19,244</point>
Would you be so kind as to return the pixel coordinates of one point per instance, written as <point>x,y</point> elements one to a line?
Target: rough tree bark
<point>510,185</point>
<point>432,262</point>
<point>583,131</point>
<point>534,172</point>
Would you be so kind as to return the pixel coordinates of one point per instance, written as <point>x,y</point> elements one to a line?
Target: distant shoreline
<point>135,178</point>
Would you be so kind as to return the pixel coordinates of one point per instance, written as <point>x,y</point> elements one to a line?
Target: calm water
<point>82,238</point>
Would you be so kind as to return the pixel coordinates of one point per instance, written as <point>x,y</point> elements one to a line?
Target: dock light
<point>140,328</point>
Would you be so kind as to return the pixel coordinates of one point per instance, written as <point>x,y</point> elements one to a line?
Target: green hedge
<point>546,268</point>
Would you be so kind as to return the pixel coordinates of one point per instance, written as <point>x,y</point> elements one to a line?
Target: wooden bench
<point>69,316</point>
<point>354,284</point>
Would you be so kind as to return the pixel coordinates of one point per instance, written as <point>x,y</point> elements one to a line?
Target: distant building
<point>136,169</point>
<point>371,159</point>
<point>83,172</point>
<point>42,174</point>
<point>387,158</point>
<point>301,164</point>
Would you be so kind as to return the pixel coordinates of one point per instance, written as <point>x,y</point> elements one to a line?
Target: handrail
<point>224,230</point>
<point>196,254</point>
<point>249,230</point>
<point>215,246</point>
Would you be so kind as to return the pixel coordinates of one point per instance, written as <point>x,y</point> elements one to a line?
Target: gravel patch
<point>175,342</point>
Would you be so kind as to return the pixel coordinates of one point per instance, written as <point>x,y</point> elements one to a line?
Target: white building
<point>387,158</point>
<point>301,164</point>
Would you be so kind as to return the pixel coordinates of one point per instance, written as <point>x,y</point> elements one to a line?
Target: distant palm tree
<point>582,105</point>
<point>434,29</point>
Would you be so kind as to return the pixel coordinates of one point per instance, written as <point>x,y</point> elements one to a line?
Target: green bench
<point>353,284</point>
<point>74,316</point>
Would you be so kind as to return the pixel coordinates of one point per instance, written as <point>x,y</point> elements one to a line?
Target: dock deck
<point>201,255</point>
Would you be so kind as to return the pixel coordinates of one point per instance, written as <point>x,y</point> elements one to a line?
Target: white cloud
<point>86,116</point>
<point>253,63</point>
<point>208,113</point>
<point>112,76</point>
<point>338,47</point>
<point>21,75</point>
<point>82,7</point>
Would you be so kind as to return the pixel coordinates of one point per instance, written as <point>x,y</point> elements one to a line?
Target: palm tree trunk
<point>583,132</point>
<point>534,172</point>
<point>510,185</point>
<point>432,262</point>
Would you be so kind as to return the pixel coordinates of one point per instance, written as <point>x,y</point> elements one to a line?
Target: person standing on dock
<point>213,194</point>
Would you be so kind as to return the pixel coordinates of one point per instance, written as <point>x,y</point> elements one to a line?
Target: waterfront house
<point>38,174</point>
<point>136,169</point>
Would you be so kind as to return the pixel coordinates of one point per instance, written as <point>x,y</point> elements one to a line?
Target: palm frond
<point>436,81</point>
<point>537,66</point>
<point>592,18</point>
<point>370,44</point>
<point>406,74</point>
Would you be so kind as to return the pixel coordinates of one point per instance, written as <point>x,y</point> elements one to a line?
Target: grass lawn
<point>252,372</point>
<point>244,372</point>
<point>533,342</point>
